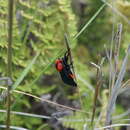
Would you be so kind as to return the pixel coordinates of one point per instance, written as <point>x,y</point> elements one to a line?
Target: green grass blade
<point>89,22</point>
<point>25,72</point>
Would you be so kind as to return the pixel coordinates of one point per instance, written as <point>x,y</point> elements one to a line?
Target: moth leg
<point>65,58</point>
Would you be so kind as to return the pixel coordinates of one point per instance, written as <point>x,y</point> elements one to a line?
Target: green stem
<point>9,52</point>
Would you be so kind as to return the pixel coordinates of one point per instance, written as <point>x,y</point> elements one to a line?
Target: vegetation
<point>32,38</point>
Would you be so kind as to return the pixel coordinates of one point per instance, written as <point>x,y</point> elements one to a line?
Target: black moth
<point>65,70</point>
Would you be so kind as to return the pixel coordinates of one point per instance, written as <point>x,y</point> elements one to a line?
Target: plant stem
<point>9,53</point>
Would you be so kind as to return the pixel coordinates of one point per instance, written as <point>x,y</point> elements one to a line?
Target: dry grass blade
<point>13,127</point>
<point>99,83</point>
<point>111,68</point>
<point>122,72</point>
<point>27,114</point>
<point>114,68</point>
<point>95,99</point>
<point>47,101</point>
<point>117,46</point>
<point>116,88</point>
<point>118,39</point>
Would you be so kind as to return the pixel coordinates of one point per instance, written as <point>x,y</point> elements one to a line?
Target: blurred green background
<point>39,27</point>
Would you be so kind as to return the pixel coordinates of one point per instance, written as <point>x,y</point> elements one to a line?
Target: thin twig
<point>9,52</point>
<point>99,82</point>
<point>47,101</point>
